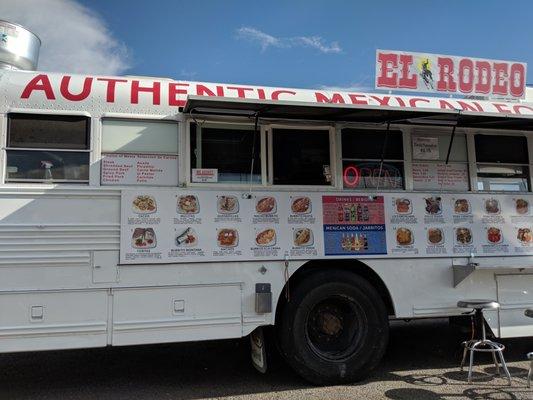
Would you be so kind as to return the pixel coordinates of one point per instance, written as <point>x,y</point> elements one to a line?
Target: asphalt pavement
<point>421,363</point>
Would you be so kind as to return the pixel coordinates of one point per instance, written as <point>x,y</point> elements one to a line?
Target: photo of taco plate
<point>461,206</point>
<point>494,235</point>
<point>492,206</point>
<point>266,237</point>
<point>188,204</point>
<point>433,205</point>
<point>143,238</point>
<point>227,237</point>
<point>187,238</point>
<point>403,206</point>
<point>303,237</point>
<point>144,205</point>
<point>404,237</point>
<point>228,205</point>
<point>435,236</point>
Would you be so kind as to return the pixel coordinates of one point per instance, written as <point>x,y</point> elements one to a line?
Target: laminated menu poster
<point>175,226</point>
<point>170,226</point>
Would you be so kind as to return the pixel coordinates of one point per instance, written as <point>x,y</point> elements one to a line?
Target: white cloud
<point>265,40</point>
<point>74,38</point>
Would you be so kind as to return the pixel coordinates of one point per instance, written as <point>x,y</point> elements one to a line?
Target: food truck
<point>138,210</point>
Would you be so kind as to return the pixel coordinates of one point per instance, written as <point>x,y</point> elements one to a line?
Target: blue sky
<point>295,43</point>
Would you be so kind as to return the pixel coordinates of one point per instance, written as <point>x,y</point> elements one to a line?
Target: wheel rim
<point>335,328</point>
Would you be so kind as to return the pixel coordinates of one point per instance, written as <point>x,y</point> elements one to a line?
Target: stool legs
<point>530,374</point>
<point>496,349</point>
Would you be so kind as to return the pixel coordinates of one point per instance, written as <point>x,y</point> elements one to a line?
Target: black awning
<point>327,112</point>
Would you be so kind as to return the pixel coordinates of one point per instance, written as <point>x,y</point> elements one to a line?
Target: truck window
<point>228,149</point>
<point>301,157</point>
<point>47,148</point>
<point>429,167</point>
<point>362,151</point>
<point>502,163</point>
<point>139,152</point>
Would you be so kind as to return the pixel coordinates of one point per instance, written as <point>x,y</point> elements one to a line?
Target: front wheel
<point>334,329</point>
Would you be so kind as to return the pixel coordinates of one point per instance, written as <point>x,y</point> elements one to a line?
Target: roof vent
<point>19,48</point>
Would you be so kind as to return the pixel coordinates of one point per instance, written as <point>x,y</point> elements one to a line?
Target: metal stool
<point>529,313</point>
<point>482,345</point>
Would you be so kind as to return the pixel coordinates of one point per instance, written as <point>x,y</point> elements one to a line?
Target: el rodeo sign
<point>438,73</point>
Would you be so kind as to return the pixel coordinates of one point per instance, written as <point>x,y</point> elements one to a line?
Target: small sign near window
<point>205,175</point>
<point>425,148</point>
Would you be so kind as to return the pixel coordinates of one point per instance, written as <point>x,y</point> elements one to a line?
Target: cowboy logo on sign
<point>424,66</point>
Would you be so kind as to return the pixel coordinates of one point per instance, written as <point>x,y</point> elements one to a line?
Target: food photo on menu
<point>303,237</point>
<point>266,205</point>
<point>227,238</point>
<point>522,206</point>
<point>227,205</point>
<point>461,206</point>
<point>435,236</point>
<point>433,205</point>
<point>265,237</point>
<point>463,236</point>
<point>187,238</point>
<point>144,204</point>
<point>188,204</point>
<point>492,206</point>
<point>143,238</point>
<point>494,235</point>
<point>301,205</point>
<point>403,206</point>
<point>525,235</point>
<point>404,237</point>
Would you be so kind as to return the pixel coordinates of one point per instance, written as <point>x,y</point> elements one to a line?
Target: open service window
<point>429,168</point>
<point>47,148</point>
<point>502,163</point>
<point>139,152</point>
<point>372,159</point>
<point>225,153</point>
<point>301,156</point>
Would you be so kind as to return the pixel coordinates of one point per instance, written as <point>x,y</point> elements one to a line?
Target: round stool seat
<point>478,304</point>
<point>529,312</point>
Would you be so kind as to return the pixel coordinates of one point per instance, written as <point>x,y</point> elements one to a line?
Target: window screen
<point>121,136</point>
<point>301,157</point>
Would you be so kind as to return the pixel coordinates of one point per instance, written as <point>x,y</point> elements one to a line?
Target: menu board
<point>139,169</point>
<point>172,226</point>
<point>441,176</point>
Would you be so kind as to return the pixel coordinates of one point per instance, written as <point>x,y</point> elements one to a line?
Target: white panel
<point>174,314</point>
<point>515,294</point>
<point>69,319</point>
<point>139,136</point>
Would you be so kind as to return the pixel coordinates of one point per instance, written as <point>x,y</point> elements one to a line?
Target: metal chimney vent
<point>19,48</point>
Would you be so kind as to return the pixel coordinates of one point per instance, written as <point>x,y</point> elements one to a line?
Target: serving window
<point>429,168</point>
<point>301,157</point>
<point>372,159</point>
<point>502,163</point>
<point>47,148</point>
<point>225,153</point>
<point>139,152</point>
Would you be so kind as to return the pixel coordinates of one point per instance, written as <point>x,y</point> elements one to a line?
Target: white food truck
<point>140,210</point>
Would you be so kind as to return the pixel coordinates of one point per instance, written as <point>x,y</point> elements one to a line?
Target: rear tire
<point>334,329</point>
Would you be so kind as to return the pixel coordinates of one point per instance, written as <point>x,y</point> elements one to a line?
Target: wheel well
<point>354,266</point>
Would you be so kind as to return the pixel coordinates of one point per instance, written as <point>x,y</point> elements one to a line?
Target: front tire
<point>334,329</point>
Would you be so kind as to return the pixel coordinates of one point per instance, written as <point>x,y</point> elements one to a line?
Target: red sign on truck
<point>439,73</point>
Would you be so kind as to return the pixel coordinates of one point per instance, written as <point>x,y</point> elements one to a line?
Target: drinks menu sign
<point>173,226</point>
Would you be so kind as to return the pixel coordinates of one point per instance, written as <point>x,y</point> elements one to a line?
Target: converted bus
<point>139,210</point>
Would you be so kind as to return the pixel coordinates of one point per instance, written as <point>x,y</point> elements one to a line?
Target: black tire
<point>334,329</point>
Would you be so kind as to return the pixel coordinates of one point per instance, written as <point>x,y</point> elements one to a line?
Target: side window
<point>301,157</point>
<point>227,151</point>
<point>136,152</point>
<point>362,150</point>
<point>430,171</point>
<point>502,163</point>
<point>47,148</point>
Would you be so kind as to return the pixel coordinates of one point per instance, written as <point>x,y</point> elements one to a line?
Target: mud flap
<point>258,350</point>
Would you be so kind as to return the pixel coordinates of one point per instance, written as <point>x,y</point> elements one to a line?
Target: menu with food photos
<point>173,226</point>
